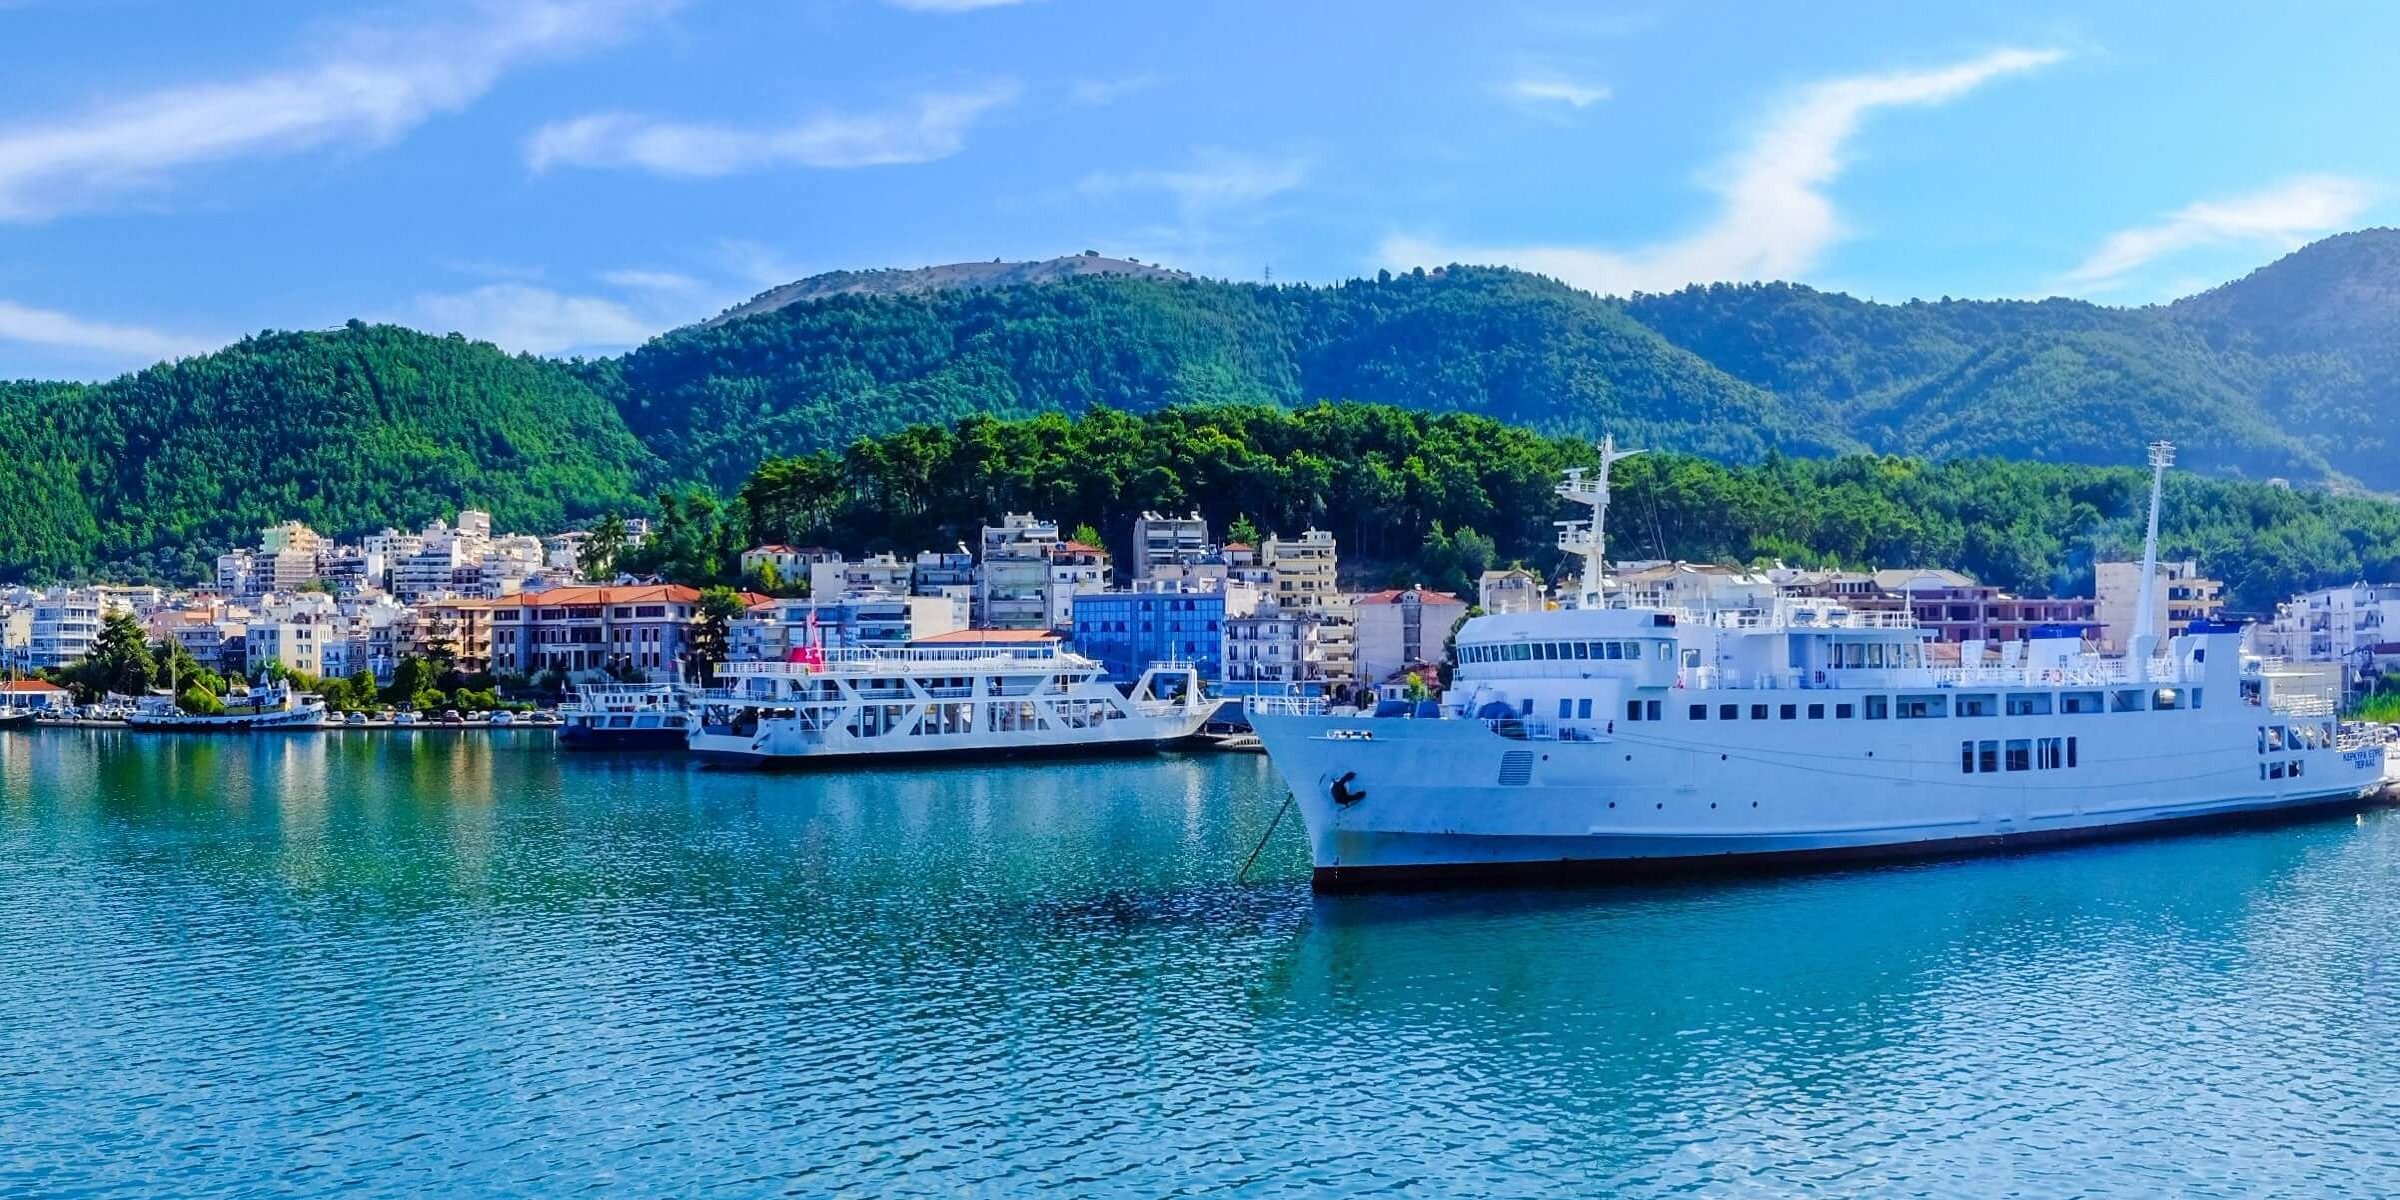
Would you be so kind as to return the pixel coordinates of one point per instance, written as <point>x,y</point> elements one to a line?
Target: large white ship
<point>1622,737</point>
<point>1005,700</point>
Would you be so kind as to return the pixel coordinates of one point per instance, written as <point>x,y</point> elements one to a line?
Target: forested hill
<point>2292,372</point>
<point>153,474</point>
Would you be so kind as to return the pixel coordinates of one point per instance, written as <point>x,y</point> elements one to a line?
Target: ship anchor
<point>1343,794</point>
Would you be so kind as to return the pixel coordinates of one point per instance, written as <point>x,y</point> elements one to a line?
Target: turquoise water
<point>392,964</point>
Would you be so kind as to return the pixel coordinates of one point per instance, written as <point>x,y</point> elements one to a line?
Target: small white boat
<point>270,707</point>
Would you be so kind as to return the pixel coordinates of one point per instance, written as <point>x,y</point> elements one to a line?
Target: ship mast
<point>1589,539</point>
<point>2144,642</point>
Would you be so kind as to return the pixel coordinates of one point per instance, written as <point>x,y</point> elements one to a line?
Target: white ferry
<point>253,708</point>
<point>627,716</point>
<point>1004,700</point>
<point>1617,737</point>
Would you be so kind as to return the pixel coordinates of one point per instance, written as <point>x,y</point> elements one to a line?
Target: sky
<point>574,176</point>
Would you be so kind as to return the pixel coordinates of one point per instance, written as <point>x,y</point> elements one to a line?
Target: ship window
<point>2053,753</point>
<point>1699,712</point>
<point>2072,746</point>
<point>1789,711</point>
<point>1987,756</point>
<point>2163,699</point>
<point>1966,758</point>
<point>1616,650</point>
<point>1977,706</point>
<point>2020,754</point>
<point>1521,652</point>
<point>1650,707</point>
<point>2079,702</point>
<point>1878,708</point>
<point>1843,712</point>
<point>2029,704</point>
<point>1566,708</point>
<point>1918,707</point>
<point>1633,710</point>
<point>1728,712</point>
<point>1666,651</point>
<point>1816,712</point>
<point>1583,650</point>
<point>1583,709</point>
<point>2195,697</point>
<point>2275,769</point>
<point>2125,701</point>
<point>1758,712</point>
<point>2298,766</point>
<point>1691,658</point>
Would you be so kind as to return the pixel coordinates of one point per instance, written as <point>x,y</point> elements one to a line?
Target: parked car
<point>451,716</point>
<point>404,718</point>
<point>501,718</point>
<point>356,718</point>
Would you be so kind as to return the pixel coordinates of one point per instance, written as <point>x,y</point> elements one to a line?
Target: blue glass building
<point>1128,631</point>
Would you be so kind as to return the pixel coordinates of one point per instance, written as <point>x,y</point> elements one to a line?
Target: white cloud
<point>1550,89</point>
<point>1775,221</point>
<point>372,86</point>
<point>950,6</point>
<point>931,126</point>
<point>652,281</point>
<point>2282,217</point>
<point>1097,92</point>
<point>1215,178</point>
<point>535,320</point>
<point>130,344</point>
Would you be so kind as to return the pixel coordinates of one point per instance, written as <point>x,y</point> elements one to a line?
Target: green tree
<point>596,559</point>
<point>719,607</point>
<point>120,661</point>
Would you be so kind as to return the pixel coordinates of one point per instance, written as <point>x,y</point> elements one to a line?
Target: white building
<point>1167,542</point>
<point>1271,648</point>
<point>1014,591</point>
<point>2356,627</point>
<point>298,644</point>
<point>63,628</point>
<point>773,630</point>
<point>1514,590</point>
<point>876,575</point>
<point>2182,595</point>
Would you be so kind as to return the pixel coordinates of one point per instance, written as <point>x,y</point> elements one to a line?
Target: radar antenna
<point>1589,539</point>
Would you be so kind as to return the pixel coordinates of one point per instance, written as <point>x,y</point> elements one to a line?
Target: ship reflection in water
<point>479,966</point>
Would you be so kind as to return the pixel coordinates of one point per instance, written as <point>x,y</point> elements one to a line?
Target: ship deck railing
<point>911,658</point>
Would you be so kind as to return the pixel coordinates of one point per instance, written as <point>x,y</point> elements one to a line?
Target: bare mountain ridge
<point>968,276</point>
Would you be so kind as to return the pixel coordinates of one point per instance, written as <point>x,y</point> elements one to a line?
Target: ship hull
<point>579,737</point>
<point>1445,801</point>
<point>735,759</point>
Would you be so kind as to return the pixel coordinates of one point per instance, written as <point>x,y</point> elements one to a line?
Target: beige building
<point>2183,595</point>
<point>1401,627</point>
<point>1514,590</point>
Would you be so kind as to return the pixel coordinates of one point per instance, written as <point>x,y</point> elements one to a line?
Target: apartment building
<point>1400,627</point>
<point>2181,596</point>
<point>1514,590</point>
<point>1168,542</point>
<point>63,628</point>
<point>1130,630</point>
<point>582,630</point>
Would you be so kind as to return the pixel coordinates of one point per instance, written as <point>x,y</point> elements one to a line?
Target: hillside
<point>153,474</point>
<point>2290,372</point>
<point>947,278</point>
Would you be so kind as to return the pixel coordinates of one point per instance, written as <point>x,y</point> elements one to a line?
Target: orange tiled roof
<point>980,637</point>
<point>663,593</point>
<point>1392,596</point>
<point>29,686</point>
